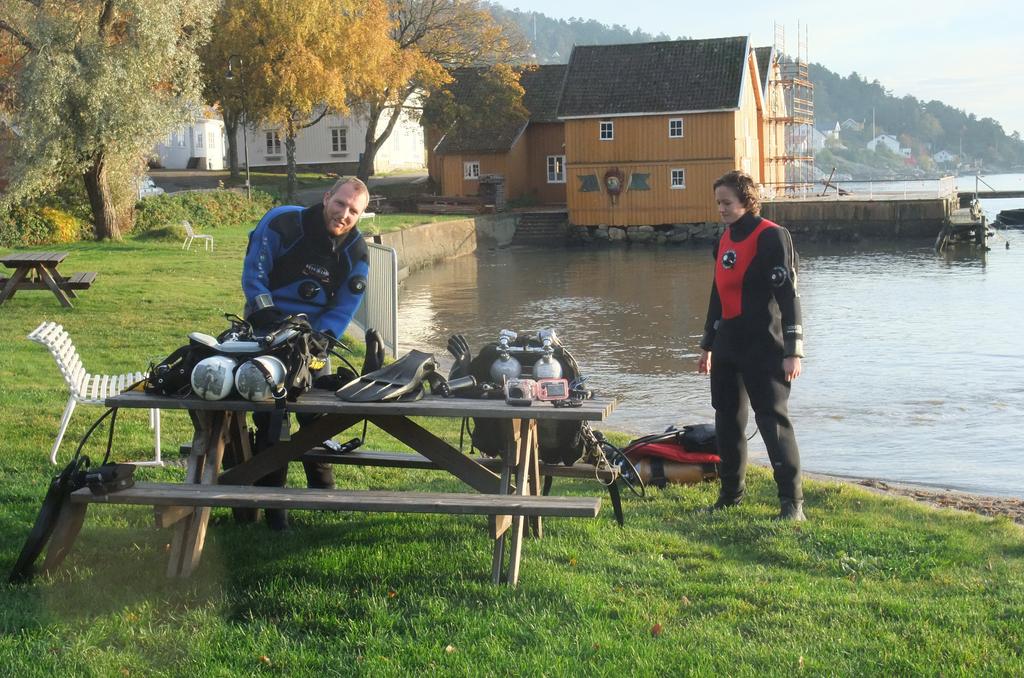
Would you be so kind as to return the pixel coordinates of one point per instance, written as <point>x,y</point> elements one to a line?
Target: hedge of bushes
<point>205,210</point>
<point>32,225</point>
<point>37,224</point>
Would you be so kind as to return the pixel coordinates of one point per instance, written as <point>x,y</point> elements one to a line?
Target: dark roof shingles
<point>542,87</point>
<point>654,77</point>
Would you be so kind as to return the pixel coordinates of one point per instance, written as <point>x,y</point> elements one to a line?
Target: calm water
<point>915,361</point>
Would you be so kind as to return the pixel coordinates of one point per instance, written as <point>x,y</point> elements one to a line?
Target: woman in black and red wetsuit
<point>753,343</point>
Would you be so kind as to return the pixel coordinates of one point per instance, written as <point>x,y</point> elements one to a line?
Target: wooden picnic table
<point>508,495</point>
<point>38,271</point>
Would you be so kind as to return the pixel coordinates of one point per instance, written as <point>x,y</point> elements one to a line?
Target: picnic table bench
<point>38,271</point>
<point>507,490</point>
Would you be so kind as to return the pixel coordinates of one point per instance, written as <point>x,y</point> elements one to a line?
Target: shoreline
<point>987,505</point>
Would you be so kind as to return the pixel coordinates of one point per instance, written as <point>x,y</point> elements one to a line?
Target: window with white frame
<point>678,178</point>
<point>210,140</point>
<point>607,130</point>
<point>675,128</point>
<point>471,169</point>
<point>339,140</point>
<point>199,138</point>
<point>556,169</point>
<point>273,143</point>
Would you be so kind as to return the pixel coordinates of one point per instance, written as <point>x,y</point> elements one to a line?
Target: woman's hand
<point>791,366</point>
<point>704,364</point>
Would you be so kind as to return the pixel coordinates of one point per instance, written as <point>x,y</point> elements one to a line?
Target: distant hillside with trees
<point>926,127</point>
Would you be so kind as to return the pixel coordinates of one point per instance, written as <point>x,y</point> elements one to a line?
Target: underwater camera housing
<point>520,391</point>
<point>552,389</point>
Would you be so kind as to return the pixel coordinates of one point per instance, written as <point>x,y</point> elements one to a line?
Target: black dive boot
<point>319,475</point>
<point>792,509</point>
<point>725,500</point>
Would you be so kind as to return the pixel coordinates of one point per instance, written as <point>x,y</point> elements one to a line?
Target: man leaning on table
<point>306,260</point>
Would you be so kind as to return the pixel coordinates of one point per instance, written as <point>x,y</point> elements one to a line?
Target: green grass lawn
<point>869,586</point>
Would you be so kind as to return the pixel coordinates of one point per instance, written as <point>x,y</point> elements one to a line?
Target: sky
<point>969,55</point>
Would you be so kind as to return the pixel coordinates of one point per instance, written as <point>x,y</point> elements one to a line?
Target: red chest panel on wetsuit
<point>734,258</point>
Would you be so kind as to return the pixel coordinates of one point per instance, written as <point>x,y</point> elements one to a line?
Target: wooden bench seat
<point>81,281</point>
<point>247,496</point>
<point>607,476</point>
<point>418,461</point>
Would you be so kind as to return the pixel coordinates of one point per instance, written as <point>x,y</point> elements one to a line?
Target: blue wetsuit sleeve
<point>346,302</point>
<point>263,249</point>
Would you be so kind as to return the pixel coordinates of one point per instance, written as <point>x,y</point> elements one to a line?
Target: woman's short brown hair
<point>742,184</point>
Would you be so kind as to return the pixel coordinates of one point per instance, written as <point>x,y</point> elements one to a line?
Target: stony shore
<point>1011,507</point>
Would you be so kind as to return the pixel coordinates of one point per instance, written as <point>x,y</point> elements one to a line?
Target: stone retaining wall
<point>424,245</point>
<point>810,220</point>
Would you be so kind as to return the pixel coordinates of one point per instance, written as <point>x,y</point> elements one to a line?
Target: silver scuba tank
<point>505,366</point>
<point>546,366</point>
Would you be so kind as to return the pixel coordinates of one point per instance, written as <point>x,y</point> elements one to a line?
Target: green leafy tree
<point>98,84</point>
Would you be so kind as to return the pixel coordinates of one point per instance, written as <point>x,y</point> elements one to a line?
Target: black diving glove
<point>266,319</point>
<point>459,348</point>
<point>374,359</point>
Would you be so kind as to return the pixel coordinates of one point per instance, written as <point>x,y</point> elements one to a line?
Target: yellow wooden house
<point>650,126</point>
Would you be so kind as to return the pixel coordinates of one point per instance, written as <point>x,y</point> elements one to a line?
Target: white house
<point>890,142</point>
<point>200,145</point>
<point>943,157</point>
<point>852,125</point>
<point>335,143</point>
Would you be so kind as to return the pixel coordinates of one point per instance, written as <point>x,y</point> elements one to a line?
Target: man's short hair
<point>360,186</point>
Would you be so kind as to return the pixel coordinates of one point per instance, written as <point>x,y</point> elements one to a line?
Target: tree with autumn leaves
<point>298,60</point>
<point>302,59</point>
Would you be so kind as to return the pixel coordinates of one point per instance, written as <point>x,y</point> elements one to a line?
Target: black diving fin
<point>401,378</point>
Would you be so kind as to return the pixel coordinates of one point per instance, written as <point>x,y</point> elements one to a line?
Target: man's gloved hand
<point>266,318</point>
<point>459,348</point>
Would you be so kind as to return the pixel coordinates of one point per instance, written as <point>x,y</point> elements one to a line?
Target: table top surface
<point>31,258</point>
<point>326,402</point>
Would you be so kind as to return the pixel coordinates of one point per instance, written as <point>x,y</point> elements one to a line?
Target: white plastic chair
<point>90,389</point>
<point>191,235</point>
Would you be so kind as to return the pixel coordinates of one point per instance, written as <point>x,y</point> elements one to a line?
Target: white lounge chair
<point>90,389</point>
<point>191,235</point>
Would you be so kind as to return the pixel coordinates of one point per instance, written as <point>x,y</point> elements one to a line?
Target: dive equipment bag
<point>560,442</point>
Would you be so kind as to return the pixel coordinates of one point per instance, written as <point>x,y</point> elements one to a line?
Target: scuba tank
<point>547,367</point>
<point>505,367</point>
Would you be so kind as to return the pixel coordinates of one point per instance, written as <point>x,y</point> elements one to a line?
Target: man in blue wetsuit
<point>312,261</point>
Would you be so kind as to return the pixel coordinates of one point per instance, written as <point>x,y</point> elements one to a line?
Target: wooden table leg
<point>536,522</point>
<point>499,530</point>
<point>203,466</point>
<point>11,288</point>
<point>526,450</point>
<point>501,524</point>
<point>47,277</point>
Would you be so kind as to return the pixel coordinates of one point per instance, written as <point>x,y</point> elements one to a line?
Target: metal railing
<point>869,190</point>
<point>379,309</point>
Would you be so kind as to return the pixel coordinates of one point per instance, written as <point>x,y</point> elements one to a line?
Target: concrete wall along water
<point>424,245</point>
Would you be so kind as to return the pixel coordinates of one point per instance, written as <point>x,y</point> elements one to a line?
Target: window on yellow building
<point>471,169</point>
<point>678,178</point>
<point>607,130</point>
<point>675,128</point>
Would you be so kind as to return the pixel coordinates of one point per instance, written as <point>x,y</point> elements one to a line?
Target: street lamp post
<point>245,138</point>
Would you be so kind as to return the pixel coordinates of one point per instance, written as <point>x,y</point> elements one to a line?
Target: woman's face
<point>730,208</point>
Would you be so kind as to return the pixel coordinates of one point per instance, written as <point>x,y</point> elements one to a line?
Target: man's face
<point>343,208</point>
